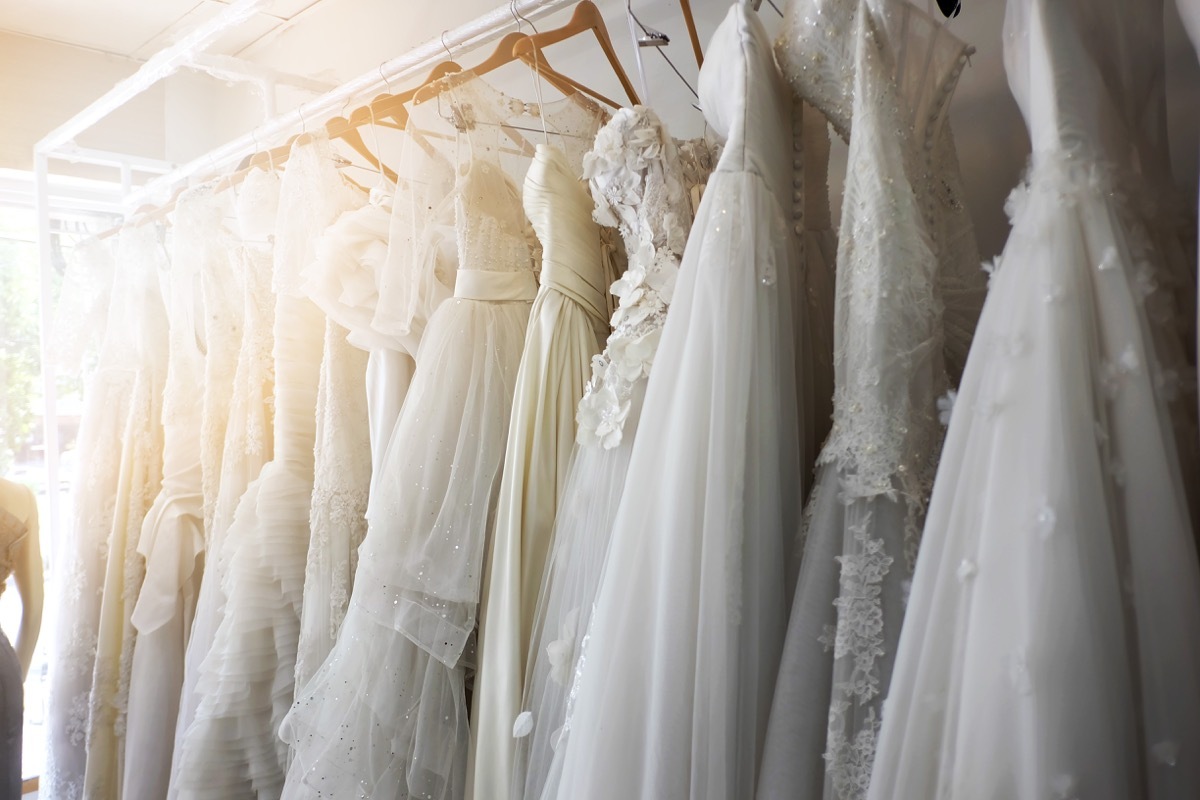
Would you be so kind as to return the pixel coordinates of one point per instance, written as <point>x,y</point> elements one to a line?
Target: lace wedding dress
<point>1052,639</point>
<point>883,72</point>
<point>343,269</point>
<point>248,435</point>
<point>567,326</point>
<point>138,483</point>
<point>639,185</point>
<point>247,680</point>
<point>95,297</point>
<point>386,716</point>
<point>678,665</point>
<point>173,533</point>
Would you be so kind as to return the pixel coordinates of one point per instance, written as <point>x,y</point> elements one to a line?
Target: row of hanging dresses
<point>386,714</point>
<point>906,292</point>
<point>1057,597</point>
<point>673,686</point>
<point>246,306</point>
<point>95,297</point>
<point>173,530</point>
<point>143,262</point>
<point>247,678</point>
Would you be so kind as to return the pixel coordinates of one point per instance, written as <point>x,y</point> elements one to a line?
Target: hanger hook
<point>519,17</point>
<point>303,122</point>
<point>445,46</point>
<point>387,84</point>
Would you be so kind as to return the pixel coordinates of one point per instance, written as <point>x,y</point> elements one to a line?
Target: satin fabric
<point>567,326</point>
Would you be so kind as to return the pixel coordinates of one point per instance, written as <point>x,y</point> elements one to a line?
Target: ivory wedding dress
<point>173,533</point>
<point>883,72</point>
<point>386,716</point>
<point>247,680</point>
<point>138,484</point>
<point>248,435</point>
<point>95,297</point>
<point>639,185</point>
<point>342,458</point>
<point>1052,639</point>
<point>567,326</point>
<point>677,670</point>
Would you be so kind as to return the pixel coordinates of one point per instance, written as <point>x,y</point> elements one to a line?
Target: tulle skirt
<point>1052,640</point>
<point>679,666</point>
<point>582,532</point>
<point>247,679</point>
<point>386,716</point>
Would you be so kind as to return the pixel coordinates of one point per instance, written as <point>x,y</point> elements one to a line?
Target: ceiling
<point>137,29</point>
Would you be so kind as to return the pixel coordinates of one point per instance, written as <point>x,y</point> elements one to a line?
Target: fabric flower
<point>561,649</point>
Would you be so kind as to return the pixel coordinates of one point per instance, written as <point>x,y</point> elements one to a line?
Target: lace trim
<point>858,636</point>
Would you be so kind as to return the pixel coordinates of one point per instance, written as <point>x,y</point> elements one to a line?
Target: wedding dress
<point>247,679</point>
<point>639,185</point>
<point>345,259</point>
<point>1052,639</point>
<point>678,665</point>
<point>412,281</point>
<point>248,432</point>
<point>95,297</point>
<point>138,483</point>
<point>876,67</point>
<point>386,716</point>
<point>567,326</point>
<point>173,532</point>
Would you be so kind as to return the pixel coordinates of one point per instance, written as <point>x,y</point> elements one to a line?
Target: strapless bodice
<point>560,211</point>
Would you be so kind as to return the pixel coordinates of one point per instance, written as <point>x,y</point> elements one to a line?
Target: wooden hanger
<point>505,53</point>
<point>392,105</point>
<point>686,7</point>
<point>586,18</point>
<point>347,131</point>
<point>535,59</point>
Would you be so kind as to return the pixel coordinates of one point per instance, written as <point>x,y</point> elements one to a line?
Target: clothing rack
<point>58,144</point>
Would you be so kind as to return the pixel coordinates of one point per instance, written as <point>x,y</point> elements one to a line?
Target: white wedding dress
<point>231,749</point>
<point>138,483</point>
<point>96,298</point>
<point>638,185</point>
<point>678,666</point>
<point>248,435</point>
<point>567,326</point>
<point>903,309</point>
<point>386,714</point>
<point>1051,646</point>
<point>173,533</point>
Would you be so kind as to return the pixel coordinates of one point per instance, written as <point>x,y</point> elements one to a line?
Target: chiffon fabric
<point>567,326</point>
<point>1052,639</point>
<point>901,313</point>
<point>138,483</point>
<point>95,297</point>
<point>173,531</point>
<point>637,179</point>
<point>676,674</point>
<point>248,441</point>
<point>247,680</point>
<point>386,714</point>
